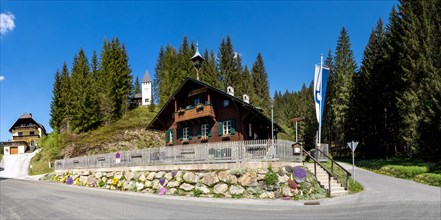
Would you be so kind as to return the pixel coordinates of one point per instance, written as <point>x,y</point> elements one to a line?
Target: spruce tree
<point>208,72</point>
<point>56,111</point>
<point>261,85</point>
<point>226,63</point>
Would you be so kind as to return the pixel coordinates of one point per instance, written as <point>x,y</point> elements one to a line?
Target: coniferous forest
<point>390,103</point>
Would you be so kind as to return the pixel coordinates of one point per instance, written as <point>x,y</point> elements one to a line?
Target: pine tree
<point>157,78</point>
<point>79,89</point>
<point>344,70</point>
<point>226,63</point>
<point>261,85</point>
<point>208,72</point>
<point>56,114</point>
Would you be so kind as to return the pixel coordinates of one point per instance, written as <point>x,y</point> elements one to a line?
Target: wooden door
<point>14,150</point>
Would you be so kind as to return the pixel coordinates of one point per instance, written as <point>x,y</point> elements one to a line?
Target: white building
<point>146,89</point>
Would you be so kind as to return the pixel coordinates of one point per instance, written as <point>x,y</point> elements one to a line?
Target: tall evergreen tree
<point>208,72</point>
<point>261,85</point>
<point>80,90</point>
<point>226,63</point>
<point>56,111</point>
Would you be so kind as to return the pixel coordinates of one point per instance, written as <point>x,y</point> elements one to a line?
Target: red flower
<point>292,184</point>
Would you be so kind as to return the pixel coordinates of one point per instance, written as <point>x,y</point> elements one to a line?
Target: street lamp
<point>272,126</point>
<point>197,61</point>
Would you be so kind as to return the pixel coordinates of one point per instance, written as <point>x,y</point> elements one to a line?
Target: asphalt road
<point>383,198</point>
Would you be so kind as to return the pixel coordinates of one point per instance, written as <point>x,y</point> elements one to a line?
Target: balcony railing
<point>198,111</point>
<point>24,137</point>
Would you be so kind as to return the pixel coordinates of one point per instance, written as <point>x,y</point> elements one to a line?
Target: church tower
<point>146,89</point>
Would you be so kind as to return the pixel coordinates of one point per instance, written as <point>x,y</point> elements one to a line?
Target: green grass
<point>57,146</point>
<point>417,170</point>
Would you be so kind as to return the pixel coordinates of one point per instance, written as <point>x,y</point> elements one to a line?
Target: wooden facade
<point>198,113</point>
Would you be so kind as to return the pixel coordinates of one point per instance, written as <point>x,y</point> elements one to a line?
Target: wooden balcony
<point>193,113</point>
<point>25,137</point>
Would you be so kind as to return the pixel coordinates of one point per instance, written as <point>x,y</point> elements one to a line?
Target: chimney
<point>230,90</point>
<point>246,98</point>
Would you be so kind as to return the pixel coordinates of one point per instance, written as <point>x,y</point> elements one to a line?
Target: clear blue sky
<point>38,36</point>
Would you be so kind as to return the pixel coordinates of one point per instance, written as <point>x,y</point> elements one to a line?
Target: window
<point>186,133</point>
<point>197,101</point>
<point>170,136</point>
<point>204,130</point>
<point>146,100</point>
<point>226,103</point>
<point>31,133</point>
<point>227,127</point>
<point>250,130</point>
<point>20,133</point>
<point>32,143</point>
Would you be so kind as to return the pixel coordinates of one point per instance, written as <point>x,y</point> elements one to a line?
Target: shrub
<point>69,180</point>
<point>101,184</point>
<point>115,182</point>
<point>400,171</point>
<point>292,184</point>
<point>299,174</point>
<point>270,178</point>
<point>433,179</point>
<point>197,192</point>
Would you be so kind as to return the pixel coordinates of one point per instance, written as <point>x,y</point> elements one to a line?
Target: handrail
<point>348,174</point>
<point>315,169</point>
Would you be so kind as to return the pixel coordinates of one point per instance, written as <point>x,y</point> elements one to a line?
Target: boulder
<point>142,178</point>
<point>267,195</point>
<point>155,184</point>
<point>128,175</point>
<point>118,175</point>
<point>283,179</point>
<point>168,176</point>
<point>173,184</point>
<point>148,184</point>
<point>287,191</point>
<point>98,175</point>
<point>227,177</point>
<point>236,190</point>
<point>248,179</point>
<point>139,186</point>
<point>91,181</point>
<point>151,176</point>
<point>210,179</point>
<point>178,176</point>
<point>186,187</point>
<point>203,188</point>
<point>171,191</point>
<point>190,177</point>
<point>260,176</point>
<point>159,174</point>
<point>220,188</point>
<point>104,179</point>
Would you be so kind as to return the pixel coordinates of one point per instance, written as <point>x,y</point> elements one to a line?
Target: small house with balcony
<point>199,113</point>
<point>25,135</point>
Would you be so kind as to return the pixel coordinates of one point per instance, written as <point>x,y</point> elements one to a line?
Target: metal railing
<point>218,152</point>
<point>346,173</point>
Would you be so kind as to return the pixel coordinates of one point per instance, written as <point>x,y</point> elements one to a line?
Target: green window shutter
<point>210,128</point>
<point>180,133</point>
<point>190,133</point>
<point>167,135</point>
<point>220,128</point>
<point>233,127</point>
<point>172,131</point>
<point>199,131</point>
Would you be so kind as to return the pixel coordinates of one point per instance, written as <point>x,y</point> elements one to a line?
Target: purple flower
<point>162,191</point>
<point>162,181</point>
<point>286,198</point>
<point>69,180</point>
<point>299,172</point>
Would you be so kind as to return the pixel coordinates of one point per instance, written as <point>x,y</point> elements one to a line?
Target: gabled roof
<point>146,77</point>
<point>191,83</point>
<point>27,117</point>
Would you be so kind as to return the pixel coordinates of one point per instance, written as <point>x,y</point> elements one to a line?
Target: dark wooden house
<point>198,113</point>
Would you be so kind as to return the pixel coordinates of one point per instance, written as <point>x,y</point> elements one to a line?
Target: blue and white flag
<point>320,80</point>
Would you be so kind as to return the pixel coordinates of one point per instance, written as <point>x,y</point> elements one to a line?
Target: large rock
<point>171,191</point>
<point>118,175</point>
<point>210,179</point>
<point>236,190</point>
<point>151,176</point>
<point>98,175</point>
<point>155,184</point>
<point>139,186</point>
<point>186,187</point>
<point>148,184</point>
<point>283,179</point>
<point>142,178</point>
<point>91,181</point>
<point>159,174</point>
<point>104,179</point>
<point>267,195</point>
<point>203,188</point>
<point>168,176</point>
<point>190,177</point>
<point>178,176</point>
<point>248,179</point>
<point>128,175</point>
<point>83,179</point>
<point>227,177</point>
<point>287,191</point>
<point>220,188</point>
<point>173,184</point>
<point>260,177</point>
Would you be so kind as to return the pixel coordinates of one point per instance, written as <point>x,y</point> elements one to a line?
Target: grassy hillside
<point>125,134</point>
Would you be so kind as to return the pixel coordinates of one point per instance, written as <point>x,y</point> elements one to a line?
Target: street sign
<point>117,157</point>
<point>353,145</point>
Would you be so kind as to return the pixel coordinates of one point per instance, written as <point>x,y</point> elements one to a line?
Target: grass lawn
<point>416,170</point>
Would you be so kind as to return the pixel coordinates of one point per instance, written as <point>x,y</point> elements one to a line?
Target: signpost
<point>117,157</point>
<point>353,145</point>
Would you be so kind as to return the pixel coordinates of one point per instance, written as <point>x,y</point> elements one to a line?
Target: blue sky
<point>38,36</point>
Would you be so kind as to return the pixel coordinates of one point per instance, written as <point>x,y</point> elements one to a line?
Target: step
<point>323,178</point>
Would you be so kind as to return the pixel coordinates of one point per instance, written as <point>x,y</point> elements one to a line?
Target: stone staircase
<point>322,177</point>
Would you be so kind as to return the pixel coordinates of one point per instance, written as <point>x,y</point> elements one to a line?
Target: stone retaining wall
<point>263,180</point>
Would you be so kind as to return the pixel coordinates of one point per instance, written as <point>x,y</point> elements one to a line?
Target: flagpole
<point>321,97</point>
